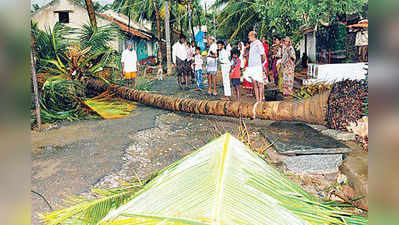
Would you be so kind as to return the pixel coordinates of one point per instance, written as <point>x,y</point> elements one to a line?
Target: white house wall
<point>78,16</point>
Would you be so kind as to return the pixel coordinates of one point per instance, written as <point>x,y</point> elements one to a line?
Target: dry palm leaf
<point>109,107</point>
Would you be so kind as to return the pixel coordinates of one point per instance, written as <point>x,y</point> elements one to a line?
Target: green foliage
<point>144,10</point>
<point>58,101</point>
<point>50,44</point>
<point>143,84</point>
<point>281,17</point>
<point>35,7</point>
<point>61,56</point>
<point>237,18</point>
<point>98,39</point>
<point>91,211</point>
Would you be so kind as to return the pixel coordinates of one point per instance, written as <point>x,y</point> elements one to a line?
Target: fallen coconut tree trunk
<point>312,110</point>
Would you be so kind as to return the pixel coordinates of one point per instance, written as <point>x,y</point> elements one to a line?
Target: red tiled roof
<point>361,24</point>
<point>125,28</point>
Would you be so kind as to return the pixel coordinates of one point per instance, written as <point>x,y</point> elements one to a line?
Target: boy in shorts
<point>235,72</point>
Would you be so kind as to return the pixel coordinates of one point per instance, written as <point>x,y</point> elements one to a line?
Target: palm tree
<point>50,44</point>
<point>158,17</point>
<point>34,81</point>
<point>167,34</point>
<point>311,110</point>
<point>236,18</point>
<point>143,10</point>
<point>91,12</point>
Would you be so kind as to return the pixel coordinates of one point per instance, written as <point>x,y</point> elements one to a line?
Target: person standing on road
<point>179,56</point>
<point>190,59</point>
<point>288,67</point>
<point>276,55</point>
<point>212,66</point>
<point>198,68</point>
<point>235,73</point>
<point>225,67</point>
<point>129,64</point>
<point>254,72</point>
<point>266,62</point>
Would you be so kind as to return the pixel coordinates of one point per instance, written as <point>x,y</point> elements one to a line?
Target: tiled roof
<point>125,28</point>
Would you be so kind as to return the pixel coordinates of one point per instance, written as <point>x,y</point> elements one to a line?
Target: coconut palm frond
<point>98,39</point>
<point>223,183</point>
<point>50,44</point>
<point>86,211</point>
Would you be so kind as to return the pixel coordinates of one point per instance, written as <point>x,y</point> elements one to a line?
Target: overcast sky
<point>43,2</point>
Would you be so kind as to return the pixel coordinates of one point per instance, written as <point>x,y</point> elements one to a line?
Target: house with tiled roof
<point>74,15</point>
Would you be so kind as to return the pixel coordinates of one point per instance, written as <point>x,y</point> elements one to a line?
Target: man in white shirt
<point>129,64</point>
<point>225,67</point>
<point>179,57</point>
<point>254,73</point>
<point>212,65</point>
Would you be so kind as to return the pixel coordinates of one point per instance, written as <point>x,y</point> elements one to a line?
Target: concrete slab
<point>299,139</point>
<point>313,164</point>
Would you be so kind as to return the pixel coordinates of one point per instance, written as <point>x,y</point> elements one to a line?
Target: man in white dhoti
<point>254,72</point>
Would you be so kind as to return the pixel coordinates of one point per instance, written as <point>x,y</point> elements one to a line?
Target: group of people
<point>249,62</point>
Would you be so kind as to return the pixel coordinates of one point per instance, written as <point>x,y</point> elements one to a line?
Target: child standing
<point>235,73</point>
<point>198,68</point>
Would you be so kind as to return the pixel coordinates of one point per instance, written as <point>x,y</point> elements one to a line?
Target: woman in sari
<point>288,67</point>
<point>276,55</point>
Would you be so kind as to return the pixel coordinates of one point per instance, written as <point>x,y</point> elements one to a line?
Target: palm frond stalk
<point>223,182</point>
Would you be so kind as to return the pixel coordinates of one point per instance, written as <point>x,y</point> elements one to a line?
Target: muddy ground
<point>72,157</point>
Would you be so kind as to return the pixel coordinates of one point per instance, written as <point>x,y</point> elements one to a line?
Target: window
<point>63,17</point>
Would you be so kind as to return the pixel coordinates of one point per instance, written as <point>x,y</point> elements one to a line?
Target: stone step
<point>293,138</point>
<point>313,164</point>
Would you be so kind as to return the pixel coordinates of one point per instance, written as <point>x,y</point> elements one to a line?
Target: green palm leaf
<point>223,183</point>
<point>85,211</point>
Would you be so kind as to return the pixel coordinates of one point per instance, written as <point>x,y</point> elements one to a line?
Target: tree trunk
<point>312,110</point>
<point>91,12</point>
<point>34,81</point>
<point>199,19</point>
<point>190,18</point>
<point>167,34</point>
<point>158,17</point>
<point>35,90</point>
